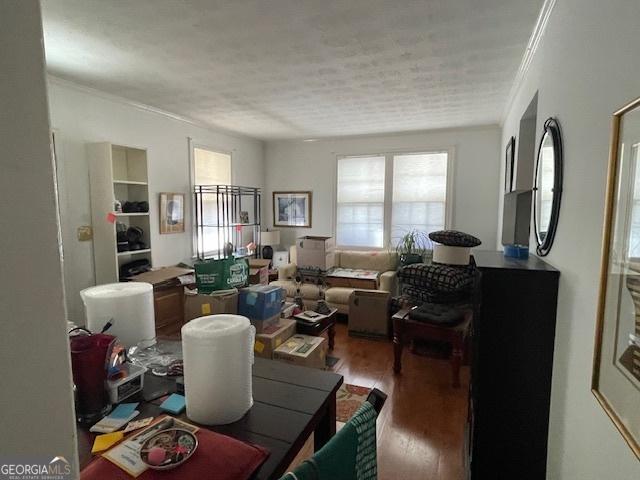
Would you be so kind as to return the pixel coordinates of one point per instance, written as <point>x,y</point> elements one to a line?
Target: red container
<point>89,365</point>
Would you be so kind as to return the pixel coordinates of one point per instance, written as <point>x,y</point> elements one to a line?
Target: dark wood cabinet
<point>512,361</point>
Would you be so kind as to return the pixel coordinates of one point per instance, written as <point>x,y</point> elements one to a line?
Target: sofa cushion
<point>441,315</point>
<point>436,277</point>
<point>454,238</point>
<point>338,295</point>
<point>380,261</point>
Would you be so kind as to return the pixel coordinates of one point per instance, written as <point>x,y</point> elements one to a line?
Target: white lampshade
<point>270,237</point>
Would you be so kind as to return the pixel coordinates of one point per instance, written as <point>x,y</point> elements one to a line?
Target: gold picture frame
<point>172,212</point>
<point>616,367</point>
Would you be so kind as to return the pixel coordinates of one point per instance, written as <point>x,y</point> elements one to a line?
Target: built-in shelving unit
<point>134,252</point>
<point>120,173</point>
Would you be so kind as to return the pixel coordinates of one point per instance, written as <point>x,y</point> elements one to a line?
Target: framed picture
<point>171,213</point>
<point>292,209</point>
<point>509,158</point>
<point>616,361</point>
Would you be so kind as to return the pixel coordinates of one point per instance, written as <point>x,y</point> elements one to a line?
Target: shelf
<point>134,252</point>
<point>129,182</point>
<point>231,225</point>
<point>132,214</point>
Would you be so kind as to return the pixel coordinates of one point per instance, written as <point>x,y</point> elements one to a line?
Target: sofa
<point>384,262</point>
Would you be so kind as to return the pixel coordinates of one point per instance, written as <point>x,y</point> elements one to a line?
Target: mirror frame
<point>551,127</point>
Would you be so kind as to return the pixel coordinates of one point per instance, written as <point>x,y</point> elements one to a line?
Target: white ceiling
<point>298,68</point>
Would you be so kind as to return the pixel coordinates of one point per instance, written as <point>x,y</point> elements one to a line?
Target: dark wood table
<point>327,324</point>
<point>290,403</point>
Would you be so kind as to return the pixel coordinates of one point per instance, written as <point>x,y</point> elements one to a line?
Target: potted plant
<point>412,247</point>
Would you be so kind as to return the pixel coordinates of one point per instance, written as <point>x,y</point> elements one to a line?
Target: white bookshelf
<point>116,172</point>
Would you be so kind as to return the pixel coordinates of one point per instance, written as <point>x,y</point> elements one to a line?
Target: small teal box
<point>260,302</point>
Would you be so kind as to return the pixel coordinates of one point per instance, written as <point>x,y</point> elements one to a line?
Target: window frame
<point>192,183</point>
<point>388,190</point>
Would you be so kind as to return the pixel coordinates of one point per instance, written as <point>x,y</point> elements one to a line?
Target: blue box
<point>516,251</point>
<point>260,302</point>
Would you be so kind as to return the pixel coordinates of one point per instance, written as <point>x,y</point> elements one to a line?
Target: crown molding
<point>144,107</point>
<point>532,47</point>
<point>395,133</point>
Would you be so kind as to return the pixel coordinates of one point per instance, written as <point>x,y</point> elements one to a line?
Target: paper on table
<point>123,410</point>
<point>102,442</point>
<point>109,424</point>
<point>137,424</point>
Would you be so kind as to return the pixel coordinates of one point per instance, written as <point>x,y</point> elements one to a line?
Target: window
<point>209,168</point>
<point>419,193</point>
<point>382,197</point>
<point>360,200</point>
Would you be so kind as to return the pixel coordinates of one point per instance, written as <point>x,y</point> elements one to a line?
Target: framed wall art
<point>171,213</point>
<point>292,209</point>
<point>616,367</point>
<point>509,158</point>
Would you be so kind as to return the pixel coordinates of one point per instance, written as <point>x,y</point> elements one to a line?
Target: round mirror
<point>547,190</point>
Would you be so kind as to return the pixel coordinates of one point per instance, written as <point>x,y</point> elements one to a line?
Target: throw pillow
<point>454,238</point>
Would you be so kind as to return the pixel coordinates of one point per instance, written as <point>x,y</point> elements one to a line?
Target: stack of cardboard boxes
<point>263,305</point>
<point>275,335</point>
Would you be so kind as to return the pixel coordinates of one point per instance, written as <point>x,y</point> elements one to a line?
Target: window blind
<point>419,193</point>
<point>210,168</point>
<point>360,201</point>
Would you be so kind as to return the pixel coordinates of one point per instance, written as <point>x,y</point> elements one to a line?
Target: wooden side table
<point>405,329</point>
<point>327,324</point>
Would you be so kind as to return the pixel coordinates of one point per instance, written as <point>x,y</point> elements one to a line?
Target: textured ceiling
<point>296,68</point>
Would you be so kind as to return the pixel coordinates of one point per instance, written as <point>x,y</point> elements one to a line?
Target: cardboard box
<point>317,252</point>
<point>266,325</point>
<point>272,337</point>
<point>201,304</point>
<point>260,302</point>
<point>303,350</point>
<point>168,296</point>
<point>169,275</point>
<point>221,274</point>
<point>369,313</point>
<point>259,271</point>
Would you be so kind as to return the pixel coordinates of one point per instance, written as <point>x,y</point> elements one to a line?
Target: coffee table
<point>327,324</point>
<point>352,278</point>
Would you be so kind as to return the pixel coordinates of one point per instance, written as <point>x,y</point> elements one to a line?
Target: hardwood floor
<point>420,428</point>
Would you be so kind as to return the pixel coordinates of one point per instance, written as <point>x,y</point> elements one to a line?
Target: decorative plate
<point>178,445</point>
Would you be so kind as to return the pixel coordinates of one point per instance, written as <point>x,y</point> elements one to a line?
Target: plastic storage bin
<point>260,302</point>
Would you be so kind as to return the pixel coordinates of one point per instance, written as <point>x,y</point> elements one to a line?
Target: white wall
<point>80,116</point>
<point>299,165</point>
<point>586,67</point>
<point>34,349</point>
